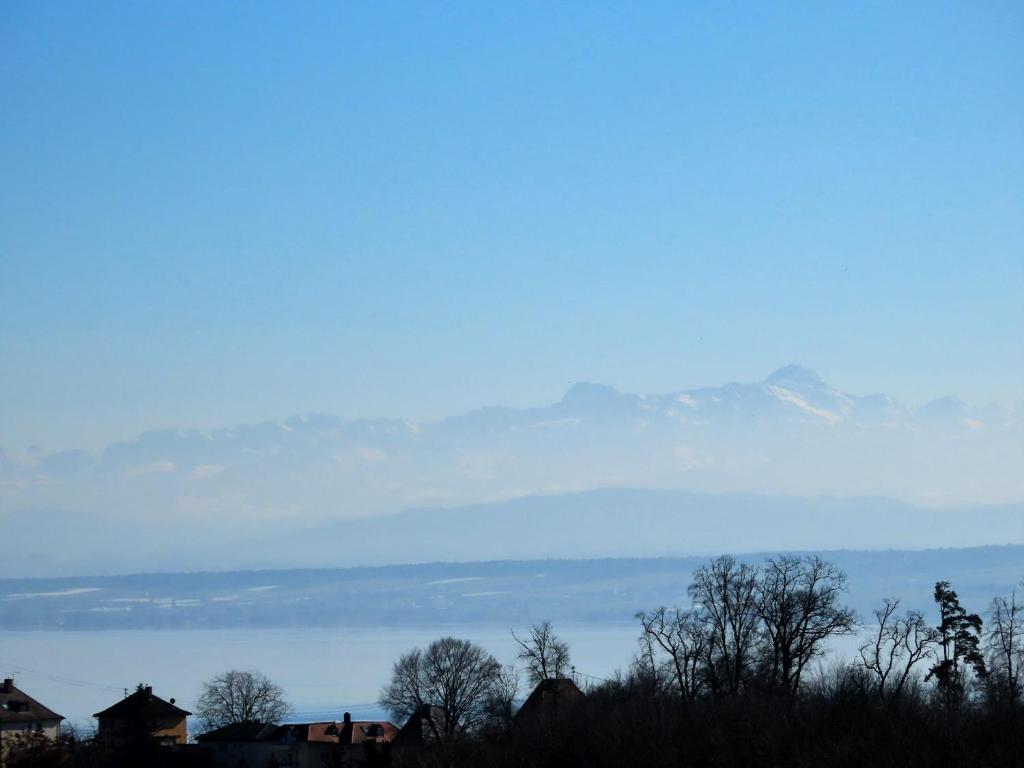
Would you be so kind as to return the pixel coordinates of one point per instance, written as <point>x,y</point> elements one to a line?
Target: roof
<point>418,728</point>
<point>238,732</point>
<point>143,705</point>
<point>364,731</point>
<point>352,732</point>
<point>548,694</point>
<point>16,706</point>
<point>326,732</point>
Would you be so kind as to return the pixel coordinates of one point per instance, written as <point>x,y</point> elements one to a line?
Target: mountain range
<point>179,498</point>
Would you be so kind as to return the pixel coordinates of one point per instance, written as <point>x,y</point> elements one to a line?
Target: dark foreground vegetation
<point>623,724</point>
<point>837,723</point>
<point>739,676</point>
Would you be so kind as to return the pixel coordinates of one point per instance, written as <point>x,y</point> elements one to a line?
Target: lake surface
<point>324,671</point>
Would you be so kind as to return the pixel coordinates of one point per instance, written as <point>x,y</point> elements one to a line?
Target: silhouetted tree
<point>647,669</point>
<point>454,675</point>
<point>725,594</point>
<point>1005,648</point>
<point>896,647</point>
<point>545,655</point>
<point>798,604</point>
<point>678,637</point>
<point>240,697</point>
<point>31,749</point>
<point>959,654</point>
<point>501,703</point>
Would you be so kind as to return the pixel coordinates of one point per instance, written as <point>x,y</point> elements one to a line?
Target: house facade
<point>140,714</point>
<point>296,745</point>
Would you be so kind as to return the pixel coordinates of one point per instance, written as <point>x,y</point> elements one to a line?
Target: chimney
<point>348,719</point>
<point>9,685</point>
<point>149,690</point>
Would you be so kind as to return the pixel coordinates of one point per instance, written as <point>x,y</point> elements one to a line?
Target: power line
<point>336,710</point>
<point>592,677</point>
<point>19,669</point>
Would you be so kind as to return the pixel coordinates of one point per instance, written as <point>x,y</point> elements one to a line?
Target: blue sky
<point>215,213</point>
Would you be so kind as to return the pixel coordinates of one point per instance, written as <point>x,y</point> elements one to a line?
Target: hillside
<point>496,592</point>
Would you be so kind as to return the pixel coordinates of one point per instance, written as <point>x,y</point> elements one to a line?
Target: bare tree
<point>645,667</point>
<point>34,749</point>
<point>240,697</point>
<point>898,645</point>
<point>1005,647</point>
<point>453,675</point>
<point>501,703</point>
<point>679,636</point>
<point>546,656</point>
<point>725,594</point>
<point>798,603</point>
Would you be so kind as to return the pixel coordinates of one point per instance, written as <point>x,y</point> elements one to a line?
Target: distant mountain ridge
<point>603,523</point>
<point>791,434</point>
<point>792,391</point>
<point>619,522</point>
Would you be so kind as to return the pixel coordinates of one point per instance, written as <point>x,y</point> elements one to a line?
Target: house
<point>351,732</point>
<point>548,698</point>
<point>142,713</point>
<point>426,725</point>
<point>238,743</point>
<point>296,745</point>
<point>20,713</point>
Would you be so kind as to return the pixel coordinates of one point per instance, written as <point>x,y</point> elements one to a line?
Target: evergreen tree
<point>959,647</point>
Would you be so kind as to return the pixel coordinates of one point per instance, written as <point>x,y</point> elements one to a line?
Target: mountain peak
<point>796,375</point>
<point>588,392</point>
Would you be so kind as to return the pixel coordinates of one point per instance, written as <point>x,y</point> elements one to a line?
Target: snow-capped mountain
<point>793,394</point>
<point>791,433</point>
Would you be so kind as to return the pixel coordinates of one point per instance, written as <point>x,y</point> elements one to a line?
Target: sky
<point>223,213</point>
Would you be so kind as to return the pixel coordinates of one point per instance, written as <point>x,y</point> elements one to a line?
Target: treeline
<point>739,675</point>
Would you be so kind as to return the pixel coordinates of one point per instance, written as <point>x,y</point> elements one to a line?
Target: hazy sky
<point>214,213</point>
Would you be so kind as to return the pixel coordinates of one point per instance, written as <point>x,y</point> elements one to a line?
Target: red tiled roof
<point>367,730</point>
<point>331,732</point>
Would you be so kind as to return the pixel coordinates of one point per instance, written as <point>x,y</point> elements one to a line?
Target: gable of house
<point>143,710</point>
<point>21,712</point>
<point>548,697</point>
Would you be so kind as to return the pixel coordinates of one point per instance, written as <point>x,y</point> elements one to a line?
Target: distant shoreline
<point>605,591</point>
